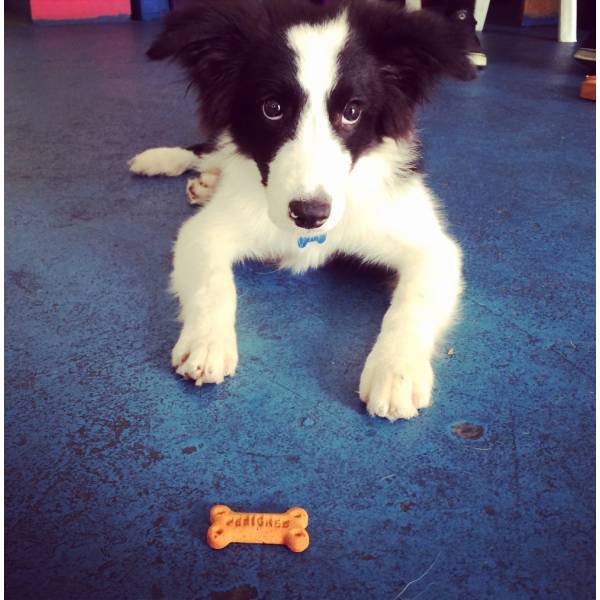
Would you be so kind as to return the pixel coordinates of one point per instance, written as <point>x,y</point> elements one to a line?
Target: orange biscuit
<point>287,528</point>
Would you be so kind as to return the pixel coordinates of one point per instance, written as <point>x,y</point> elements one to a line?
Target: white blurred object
<point>481,9</point>
<point>413,5</point>
<point>567,23</point>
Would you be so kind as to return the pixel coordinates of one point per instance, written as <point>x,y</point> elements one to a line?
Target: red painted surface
<point>78,9</point>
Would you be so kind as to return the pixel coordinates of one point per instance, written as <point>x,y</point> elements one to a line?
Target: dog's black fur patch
<point>414,50</point>
<point>203,148</point>
<point>269,72</point>
<point>211,40</point>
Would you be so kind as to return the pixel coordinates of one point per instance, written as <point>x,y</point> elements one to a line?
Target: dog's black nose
<point>309,214</point>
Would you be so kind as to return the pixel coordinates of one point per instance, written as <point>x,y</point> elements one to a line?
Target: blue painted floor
<point>112,462</point>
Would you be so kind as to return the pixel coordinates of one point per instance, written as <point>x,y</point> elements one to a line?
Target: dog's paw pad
<point>200,189</point>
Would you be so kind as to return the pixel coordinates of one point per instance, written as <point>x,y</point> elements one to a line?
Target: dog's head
<point>306,88</point>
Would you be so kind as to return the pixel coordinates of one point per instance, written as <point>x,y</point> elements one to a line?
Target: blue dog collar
<point>320,239</point>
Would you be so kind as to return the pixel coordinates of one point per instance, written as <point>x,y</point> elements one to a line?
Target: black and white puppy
<point>310,109</point>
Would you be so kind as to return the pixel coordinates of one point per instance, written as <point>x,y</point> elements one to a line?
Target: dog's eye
<point>272,109</point>
<point>351,114</point>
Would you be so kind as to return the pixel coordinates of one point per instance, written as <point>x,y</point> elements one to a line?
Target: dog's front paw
<point>393,387</point>
<point>205,359</point>
<point>200,189</point>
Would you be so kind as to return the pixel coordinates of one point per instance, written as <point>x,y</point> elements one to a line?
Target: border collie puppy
<point>312,153</point>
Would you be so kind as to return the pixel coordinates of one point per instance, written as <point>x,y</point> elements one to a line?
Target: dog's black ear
<point>414,50</point>
<point>417,48</point>
<point>211,40</point>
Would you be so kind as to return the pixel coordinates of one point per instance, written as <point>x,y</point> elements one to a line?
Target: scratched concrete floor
<point>112,462</point>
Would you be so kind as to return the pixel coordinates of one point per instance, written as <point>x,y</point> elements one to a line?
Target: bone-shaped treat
<point>287,528</point>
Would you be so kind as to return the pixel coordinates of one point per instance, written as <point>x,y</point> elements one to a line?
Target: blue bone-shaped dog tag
<point>320,239</point>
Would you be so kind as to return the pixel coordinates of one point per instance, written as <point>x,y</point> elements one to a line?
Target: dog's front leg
<point>202,279</point>
<point>397,378</point>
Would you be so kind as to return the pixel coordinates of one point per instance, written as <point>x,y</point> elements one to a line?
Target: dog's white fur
<point>164,161</point>
<point>377,215</point>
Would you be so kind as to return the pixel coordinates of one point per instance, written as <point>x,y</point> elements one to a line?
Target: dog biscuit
<point>287,528</point>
